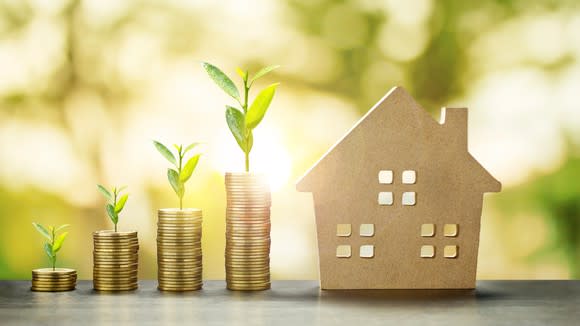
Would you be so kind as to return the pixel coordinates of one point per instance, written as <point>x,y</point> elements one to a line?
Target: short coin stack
<point>247,232</point>
<point>53,280</point>
<point>179,258</point>
<point>116,257</point>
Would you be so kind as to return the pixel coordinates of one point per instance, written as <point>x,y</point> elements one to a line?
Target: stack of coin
<point>116,257</point>
<point>53,280</point>
<point>179,266</point>
<point>247,232</point>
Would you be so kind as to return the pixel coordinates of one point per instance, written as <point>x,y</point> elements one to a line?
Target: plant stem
<point>53,258</point>
<point>179,174</point>
<point>245,107</point>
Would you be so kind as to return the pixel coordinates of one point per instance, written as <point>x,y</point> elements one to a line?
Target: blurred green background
<point>86,85</point>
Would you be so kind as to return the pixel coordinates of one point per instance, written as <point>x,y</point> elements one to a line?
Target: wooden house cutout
<point>398,201</point>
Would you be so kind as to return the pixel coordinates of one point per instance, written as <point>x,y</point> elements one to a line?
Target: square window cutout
<point>409,177</point>
<point>450,252</point>
<point>343,251</point>
<point>450,230</point>
<point>367,251</point>
<point>386,198</point>
<point>343,230</point>
<point>367,230</point>
<point>386,177</point>
<point>427,251</point>
<point>409,198</point>
<point>427,230</point>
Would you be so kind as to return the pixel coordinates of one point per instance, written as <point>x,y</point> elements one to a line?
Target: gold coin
<point>57,272</point>
<point>55,281</point>
<point>36,289</point>
<point>178,289</point>
<point>189,227</point>
<point>179,219</point>
<point>113,234</point>
<point>180,280</point>
<point>59,279</point>
<point>103,288</point>
<point>248,287</point>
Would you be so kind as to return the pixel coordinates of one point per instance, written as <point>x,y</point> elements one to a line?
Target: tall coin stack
<point>53,280</point>
<point>116,257</point>
<point>179,258</point>
<point>247,232</point>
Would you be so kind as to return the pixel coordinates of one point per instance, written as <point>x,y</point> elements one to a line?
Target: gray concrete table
<point>297,303</point>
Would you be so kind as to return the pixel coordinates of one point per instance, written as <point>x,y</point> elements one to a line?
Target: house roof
<point>398,103</point>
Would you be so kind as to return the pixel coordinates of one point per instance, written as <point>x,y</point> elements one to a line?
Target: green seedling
<point>116,202</point>
<point>178,177</point>
<point>55,240</point>
<point>243,121</point>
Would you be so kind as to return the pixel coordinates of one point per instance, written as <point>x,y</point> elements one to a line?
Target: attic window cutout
<point>450,252</point>
<point>367,230</point>
<point>450,230</point>
<point>409,177</point>
<point>367,251</point>
<point>343,230</point>
<point>427,251</point>
<point>427,230</point>
<point>385,198</point>
<point>409,198</point>
<point>343,251</point>
<point>386,177</point>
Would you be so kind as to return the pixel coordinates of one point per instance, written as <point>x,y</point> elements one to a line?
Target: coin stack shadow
<point>116,261</point>
<point>247,255</point>
<point>179,256</point>
<point>53,280</point>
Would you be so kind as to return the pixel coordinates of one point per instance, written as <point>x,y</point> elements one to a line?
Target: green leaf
<point>58,242</point>
<point>243,74</point>
<point>42,230</point>
<point>258,108</point>
<point>173,178</point>
<point>264,71</point>
<point>235,120</point>
<point>165,152</point>
<point>250,143</point>
<point>112,215</point>
<point>61,227</point>
<point>222,80</point>
<point>189,168</point>
<point>121,204</point>
<point>121,189</point>
<point>48,250</point>
<point>105,192</point>
<point>190,147</point>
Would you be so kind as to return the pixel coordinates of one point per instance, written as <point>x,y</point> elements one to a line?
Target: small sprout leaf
<point>190,147</point>
<point>189,168</point>
<point>264,71</point>
<point>258,108</point>
<point>105,192</point>
<point>61,227</point>
<point>58,242</point>
<point>42,230</point>
<point>48,250</point>
<point>111,212</point>
<point>222,80</point>
<point>121,204</point>
<point>235,120</point>
<point>243,74</point>
<point>165,152</point>
<point>173,178</point>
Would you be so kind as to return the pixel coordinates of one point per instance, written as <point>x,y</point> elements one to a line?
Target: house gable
<point>401,118</point>
<point>396,105</point>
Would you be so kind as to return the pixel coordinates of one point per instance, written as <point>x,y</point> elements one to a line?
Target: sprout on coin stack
<point>248,194</point>
<point>115,252</point>
<point>53,279</point>
<point>179,256</point>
